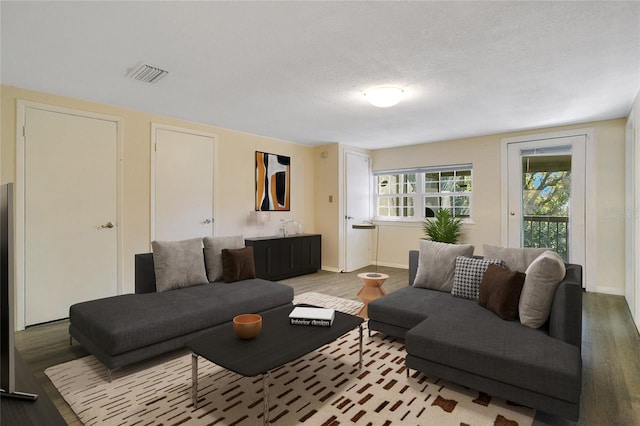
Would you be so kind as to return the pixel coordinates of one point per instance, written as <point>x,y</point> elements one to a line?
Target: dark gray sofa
<point>127,328</point>
<point>458,340</point>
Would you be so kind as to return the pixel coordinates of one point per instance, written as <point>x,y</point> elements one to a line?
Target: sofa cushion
<point>238,264</point>
<point>437,262</point>
<point>121,323</point>
<point>543,276</point>
<point>178,263</point>
<point>504,351</point>
<point>213,254</point>
<point>468,274</point>
<point>406,307</point>
<point>500,291</point>
<point>516,259</point>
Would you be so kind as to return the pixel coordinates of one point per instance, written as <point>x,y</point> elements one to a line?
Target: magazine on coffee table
<point>312,316</point>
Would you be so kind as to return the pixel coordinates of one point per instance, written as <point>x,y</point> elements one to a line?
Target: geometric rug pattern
<point>324,387</point>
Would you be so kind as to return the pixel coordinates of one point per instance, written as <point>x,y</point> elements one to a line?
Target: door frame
<point>632,205</point>
<point>152,206</point>
<point>343,209</point>
<point>590,266</point>
<point>22,106</point>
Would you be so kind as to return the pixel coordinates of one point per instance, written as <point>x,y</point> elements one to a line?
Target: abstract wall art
<point>273,188</point>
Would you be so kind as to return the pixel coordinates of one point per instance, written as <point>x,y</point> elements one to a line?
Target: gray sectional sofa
<point>128,328</point>
<point>458,340</point>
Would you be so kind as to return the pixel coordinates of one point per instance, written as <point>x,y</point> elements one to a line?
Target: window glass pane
<point>410,184</point>
<point>397,184</point>
<point>431,182</point>
<point>463,181</point>
<point>431,206</point>
<point>461,206</point>
<point>447,182</point>
<point>396,207</point>
<point>383,185</point>
<point>446,202</point>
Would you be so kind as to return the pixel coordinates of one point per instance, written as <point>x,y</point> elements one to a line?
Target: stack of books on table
<point>312,316</point>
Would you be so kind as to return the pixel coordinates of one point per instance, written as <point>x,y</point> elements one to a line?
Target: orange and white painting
<point>273,188</point>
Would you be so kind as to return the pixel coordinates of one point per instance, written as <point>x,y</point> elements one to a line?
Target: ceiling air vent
<point>147,73</point>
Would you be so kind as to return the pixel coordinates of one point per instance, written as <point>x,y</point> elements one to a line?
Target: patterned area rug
<point>322,388</point>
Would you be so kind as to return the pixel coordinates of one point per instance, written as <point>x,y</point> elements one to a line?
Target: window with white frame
<point>419,193</point>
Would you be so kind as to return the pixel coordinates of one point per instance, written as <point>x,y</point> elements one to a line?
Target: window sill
<point>410,222</point>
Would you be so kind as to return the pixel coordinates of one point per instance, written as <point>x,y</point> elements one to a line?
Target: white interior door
<point>70,212</point>
<point>358,210</point>
<point>566,232</point>
<point>182,184</point>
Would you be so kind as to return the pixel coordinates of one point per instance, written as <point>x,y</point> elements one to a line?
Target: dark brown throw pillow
<point>237,264</point>
<point>500,291</point>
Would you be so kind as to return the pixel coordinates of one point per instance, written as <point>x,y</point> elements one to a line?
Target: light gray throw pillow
<point>516,259</point>
<point>178,263</point>
<point>540,284</point>
<point>437,264</point>
<point>213,253</point>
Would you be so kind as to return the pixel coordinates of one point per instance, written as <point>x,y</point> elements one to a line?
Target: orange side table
<point>371,289</point>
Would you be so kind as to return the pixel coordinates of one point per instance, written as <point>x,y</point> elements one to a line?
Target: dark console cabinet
<point>277,258</point>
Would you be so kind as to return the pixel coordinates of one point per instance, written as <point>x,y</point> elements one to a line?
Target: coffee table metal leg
<point>265,397</point>
<point>194,380</point>
<point>360,366</point>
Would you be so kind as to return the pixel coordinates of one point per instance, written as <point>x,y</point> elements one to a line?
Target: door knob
<point>206,221</point>
<point>512,213</point>
<point>107,225</point>
<point>348,217</point>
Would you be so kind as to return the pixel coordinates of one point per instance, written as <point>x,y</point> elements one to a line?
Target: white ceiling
<point>296,70</point>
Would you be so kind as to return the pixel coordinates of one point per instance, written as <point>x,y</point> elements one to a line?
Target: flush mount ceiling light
<point>384,96</point>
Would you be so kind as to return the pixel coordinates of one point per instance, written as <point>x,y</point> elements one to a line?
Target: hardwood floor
<point>610,350</point>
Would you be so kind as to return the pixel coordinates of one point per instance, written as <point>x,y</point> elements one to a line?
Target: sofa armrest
<point>145,276</point>
<point>565,318</point>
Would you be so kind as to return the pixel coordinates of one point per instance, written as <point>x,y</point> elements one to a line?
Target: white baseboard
<point>330,269</point>
<point>615,291</point>
<point>393,265</point>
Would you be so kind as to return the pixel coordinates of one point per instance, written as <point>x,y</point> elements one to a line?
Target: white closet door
<point>71,244</point>
<point>358,211</point>
<point>182,186</point>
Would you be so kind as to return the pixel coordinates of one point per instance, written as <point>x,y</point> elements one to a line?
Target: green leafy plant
<point>444,228</point>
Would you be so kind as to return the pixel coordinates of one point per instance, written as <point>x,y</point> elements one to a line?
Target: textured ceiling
<point>296,70</point>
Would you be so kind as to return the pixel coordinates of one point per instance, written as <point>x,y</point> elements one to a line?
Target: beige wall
<point>484,153</point>
<point>326,200</point>
<point>234,171</point>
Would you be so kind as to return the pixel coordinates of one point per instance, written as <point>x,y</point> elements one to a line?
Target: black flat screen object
<point>7,330</point>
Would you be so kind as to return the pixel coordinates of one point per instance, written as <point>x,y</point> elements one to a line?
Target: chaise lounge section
<point>128,328</point>
<point>458,340</point>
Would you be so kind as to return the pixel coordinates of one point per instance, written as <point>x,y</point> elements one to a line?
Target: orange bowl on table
<point>247,326</point>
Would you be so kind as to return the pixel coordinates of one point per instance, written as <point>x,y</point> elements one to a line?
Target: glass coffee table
<point>277,344</point>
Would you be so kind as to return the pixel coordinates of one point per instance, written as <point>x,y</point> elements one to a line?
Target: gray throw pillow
<point>540,284</point>
<point>468,276</point>
<point>178,263</point>
<point>516,259</point>
<point>213,253</point>
<point>437,263</point>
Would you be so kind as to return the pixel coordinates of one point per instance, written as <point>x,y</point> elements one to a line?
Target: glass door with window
<point>546,198</point>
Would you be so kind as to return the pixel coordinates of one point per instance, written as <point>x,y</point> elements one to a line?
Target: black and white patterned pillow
<point>468,275</point>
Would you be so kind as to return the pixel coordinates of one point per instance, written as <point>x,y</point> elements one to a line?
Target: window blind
<point>430,169</point>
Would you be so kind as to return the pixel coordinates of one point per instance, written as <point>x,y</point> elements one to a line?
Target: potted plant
<point>444,228</point>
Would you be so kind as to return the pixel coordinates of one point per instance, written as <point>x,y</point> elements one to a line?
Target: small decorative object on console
<point>312,316</point>
<point>247,326</point>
